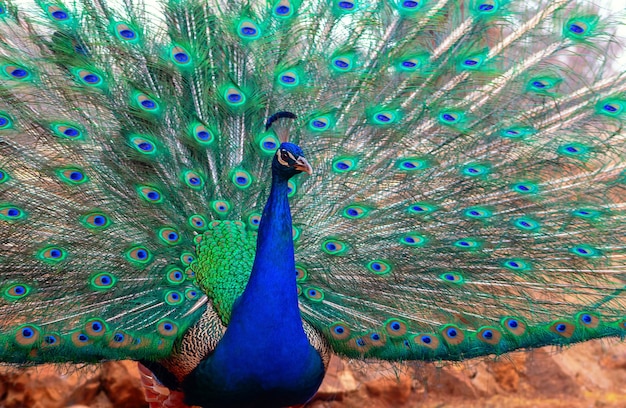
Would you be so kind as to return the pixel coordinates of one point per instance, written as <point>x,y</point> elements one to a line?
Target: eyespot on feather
<point>379,267</point>
<point>395,328</point>
<point>339,331</point>
<point>514,326</point>
<point>376,339</point>
<point>193,179</point>
<point>355,211</point>
<point>119,339</point>
<point>95,328</point>
<point>52,254</point>
<point>95,220</point>
<point>563,328</point>
<point>414,240</point>
<point>6,122</point>
<point>301,273</point>
<point>241,179</point>
<point>314,294</point>
<point>125,32</point>
<point>169,236</point>
<point>292,188</point>
<point>187,258</point>
<point>234,97</point>
<point>67,131</point>
<point>198,222</point>
<point>221,207</point>
<point>421,209</point>
<point>88,78</point>
<point>27,335</point>
<point>283,9</point>
<point>334,247</point>
<point>201,134</point>
<point>180,56</point>
<point>167,328</point>
<point>452,335</point>
<point>16,291</point>
<point>16,72</point>
<point>430,341</point>
<point>452,277</point>
<point>149,194</point>
<point>248,30</point>
<point>489,335</point>
<point>588,320</point>
<point>71,175</point>
<point>9,212</point>
<point>254,220</point>
<point>320,123</point>
<point>192,294</point>
<point>139,255</point>
<point>51,340</point>
<point>173,298</point>
<point>342,63</point>
<point>102,281</point>
<point>80,339</point>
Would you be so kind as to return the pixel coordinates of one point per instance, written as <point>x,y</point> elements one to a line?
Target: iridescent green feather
<point>467,195</point>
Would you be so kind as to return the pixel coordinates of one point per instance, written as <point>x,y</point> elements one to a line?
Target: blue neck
<point>272,283</point>
<point>264,354</point>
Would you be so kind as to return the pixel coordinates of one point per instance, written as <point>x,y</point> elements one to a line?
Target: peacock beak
<point>303,165</point>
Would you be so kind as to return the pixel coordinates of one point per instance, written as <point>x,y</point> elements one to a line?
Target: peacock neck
<point>264,354</point>
<point>274,263</point>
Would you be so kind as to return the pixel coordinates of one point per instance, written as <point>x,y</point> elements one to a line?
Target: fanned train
<point>466,194</point>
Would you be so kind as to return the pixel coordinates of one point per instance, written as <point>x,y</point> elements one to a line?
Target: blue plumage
<point>264,358</point>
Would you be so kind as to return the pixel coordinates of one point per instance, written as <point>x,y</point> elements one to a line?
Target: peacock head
<point>289,160</point>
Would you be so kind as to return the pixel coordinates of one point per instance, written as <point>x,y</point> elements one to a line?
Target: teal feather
<point>467,194</point>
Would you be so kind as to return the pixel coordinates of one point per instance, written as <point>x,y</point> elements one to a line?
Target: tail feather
<point>469,170</point>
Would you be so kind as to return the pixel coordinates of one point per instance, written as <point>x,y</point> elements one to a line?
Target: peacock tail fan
<point>467,195</point>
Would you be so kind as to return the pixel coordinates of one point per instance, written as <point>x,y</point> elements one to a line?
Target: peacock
<point>229,191</point>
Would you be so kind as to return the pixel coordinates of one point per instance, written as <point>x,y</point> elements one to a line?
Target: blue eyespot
<point>60,15</point>
<point>448,117</point>
<point>128,34</point>
<point>19,73</point>
<point>248,31</point>
<point>181,57</point>
<point>576,29</point>
<point>148,104</point>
